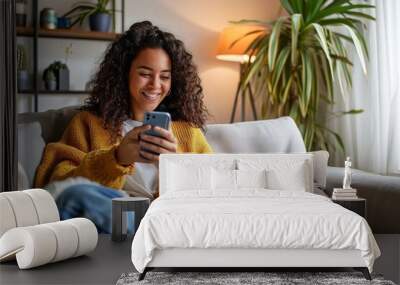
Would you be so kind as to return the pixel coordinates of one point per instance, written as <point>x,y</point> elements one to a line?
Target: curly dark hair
<point>110,98</point>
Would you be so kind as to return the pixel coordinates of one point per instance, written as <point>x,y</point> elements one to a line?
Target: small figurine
<point>347,174</point>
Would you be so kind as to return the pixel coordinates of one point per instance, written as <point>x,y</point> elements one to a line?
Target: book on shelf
<point>334,197</point>
<point>344,194</point>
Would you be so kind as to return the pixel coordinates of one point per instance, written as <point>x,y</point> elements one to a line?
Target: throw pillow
<point>183,178</point>
<point>251,178</point>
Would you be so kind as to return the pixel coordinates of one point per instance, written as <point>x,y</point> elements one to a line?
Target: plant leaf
<point>359,48</point>
<point>352,112</point>
<point>297,21</point>
<point>322,40</point>
<point>274,43</point>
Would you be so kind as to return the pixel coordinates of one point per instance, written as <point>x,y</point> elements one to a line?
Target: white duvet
<point>252,218</point>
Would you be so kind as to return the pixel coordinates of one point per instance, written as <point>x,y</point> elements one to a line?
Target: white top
<point>144,181</point>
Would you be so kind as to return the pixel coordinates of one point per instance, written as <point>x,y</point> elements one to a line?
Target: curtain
<point>8,137</point>
<point>372,138</point>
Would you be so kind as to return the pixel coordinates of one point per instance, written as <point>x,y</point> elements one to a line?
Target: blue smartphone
<point>159,119</point>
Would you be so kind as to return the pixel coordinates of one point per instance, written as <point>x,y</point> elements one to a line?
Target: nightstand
<point>358,206</point>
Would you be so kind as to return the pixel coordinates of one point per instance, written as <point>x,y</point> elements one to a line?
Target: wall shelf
<point>36,32</point>
<point>67,34</point>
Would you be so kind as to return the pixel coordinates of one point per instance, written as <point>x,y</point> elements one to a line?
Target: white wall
<point>196,23</point>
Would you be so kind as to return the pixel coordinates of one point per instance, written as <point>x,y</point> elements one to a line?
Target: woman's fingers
<point>157,144</point>
<point>153,148</point>
<point>136,133</point>
<point>166,134</point>
<point>148,156</point>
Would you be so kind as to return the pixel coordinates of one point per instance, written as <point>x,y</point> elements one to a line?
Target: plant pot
<point>50,85</point>
<point>62,76</point>
<point>20,13</point>
<point>23,82</point>
<point>100,22</point>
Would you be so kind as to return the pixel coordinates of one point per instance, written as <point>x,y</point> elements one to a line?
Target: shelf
<point>56,92</point>
<point>67,34</point>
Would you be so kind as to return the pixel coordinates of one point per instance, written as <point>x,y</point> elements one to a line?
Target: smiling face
<point>149,80</point>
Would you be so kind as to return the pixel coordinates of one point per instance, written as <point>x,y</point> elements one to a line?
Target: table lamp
<point>237,53</point>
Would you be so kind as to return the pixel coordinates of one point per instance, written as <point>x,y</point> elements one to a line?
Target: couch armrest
<point>382,194</point>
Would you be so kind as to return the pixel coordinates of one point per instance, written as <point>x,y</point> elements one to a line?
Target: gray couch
<point>382,192</point>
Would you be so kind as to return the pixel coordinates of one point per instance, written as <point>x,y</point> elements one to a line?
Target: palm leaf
<point>274,43</point>
<point>297,21</point>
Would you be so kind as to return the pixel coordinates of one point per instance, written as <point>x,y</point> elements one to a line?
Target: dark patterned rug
<point>273,278</point>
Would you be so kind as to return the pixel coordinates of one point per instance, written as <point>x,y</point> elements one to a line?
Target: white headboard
<point>280,163</point>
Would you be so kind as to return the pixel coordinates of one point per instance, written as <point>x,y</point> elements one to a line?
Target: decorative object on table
<point>347,192</point>
<point>61,73</point>
<point>48,19</point>
<point>98,13</point>
<point>298,61</point>
<point>232,46</point>
<point>20,13</point>
<point>63,23</point>
<point>23,80</point>
<point>31,231</point>
<point>120,206</point>
<point>347,174</point>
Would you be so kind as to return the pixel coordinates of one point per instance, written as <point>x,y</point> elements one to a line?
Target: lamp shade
<point>237,52</point>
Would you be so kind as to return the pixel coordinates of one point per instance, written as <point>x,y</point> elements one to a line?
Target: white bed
<point>202,220</point>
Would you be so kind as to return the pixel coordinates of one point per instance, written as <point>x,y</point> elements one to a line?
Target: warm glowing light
<point>237,52</point>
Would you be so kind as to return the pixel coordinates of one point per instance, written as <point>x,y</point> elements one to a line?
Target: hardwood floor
<point>389,262</point>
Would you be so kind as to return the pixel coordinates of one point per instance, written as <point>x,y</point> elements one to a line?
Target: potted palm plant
<point>98,13</point>
<point>298,61</point>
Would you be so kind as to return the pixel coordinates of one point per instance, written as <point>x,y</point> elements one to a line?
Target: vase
<point>100,22</point>
<point>23,80</point>
<point>20,13</point>
<point>62,76</point>
<point>50,85</point>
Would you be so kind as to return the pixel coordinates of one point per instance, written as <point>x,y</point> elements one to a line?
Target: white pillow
<point>228,179</point>
<point>320,165</point>
<point>182,177</point>
<point>224,179</point>
<point>292,179</point>
<point>293,174</point>
<point>251,178</point>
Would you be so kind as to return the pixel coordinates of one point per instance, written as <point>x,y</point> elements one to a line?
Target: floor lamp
<point>233,43</point>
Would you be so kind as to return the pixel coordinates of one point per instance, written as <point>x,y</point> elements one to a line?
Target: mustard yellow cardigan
<point>86,150</point>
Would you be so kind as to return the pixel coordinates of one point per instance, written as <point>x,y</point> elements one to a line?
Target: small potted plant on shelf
<point>23,82</point>
<point>98,13</point>
<point>61,74</point>
<point>49,78</point>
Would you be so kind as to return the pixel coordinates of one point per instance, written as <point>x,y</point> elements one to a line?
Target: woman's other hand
<point>151,146</point>
<point>128,151</point>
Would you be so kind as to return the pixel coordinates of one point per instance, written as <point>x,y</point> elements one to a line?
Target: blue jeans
<point>92,202</point>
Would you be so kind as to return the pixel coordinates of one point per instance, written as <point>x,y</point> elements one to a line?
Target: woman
<point>146,69</point>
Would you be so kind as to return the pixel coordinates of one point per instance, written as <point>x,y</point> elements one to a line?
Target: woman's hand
<point>128,151</point>
<point>151,147</point>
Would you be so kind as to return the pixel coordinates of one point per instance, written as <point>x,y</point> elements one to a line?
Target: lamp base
<point>242,93</point>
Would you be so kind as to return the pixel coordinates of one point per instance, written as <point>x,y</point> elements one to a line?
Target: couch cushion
<point>30,149</point>
<point>268,136</point>
<point>52,122</point>
<point>35,130</point>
